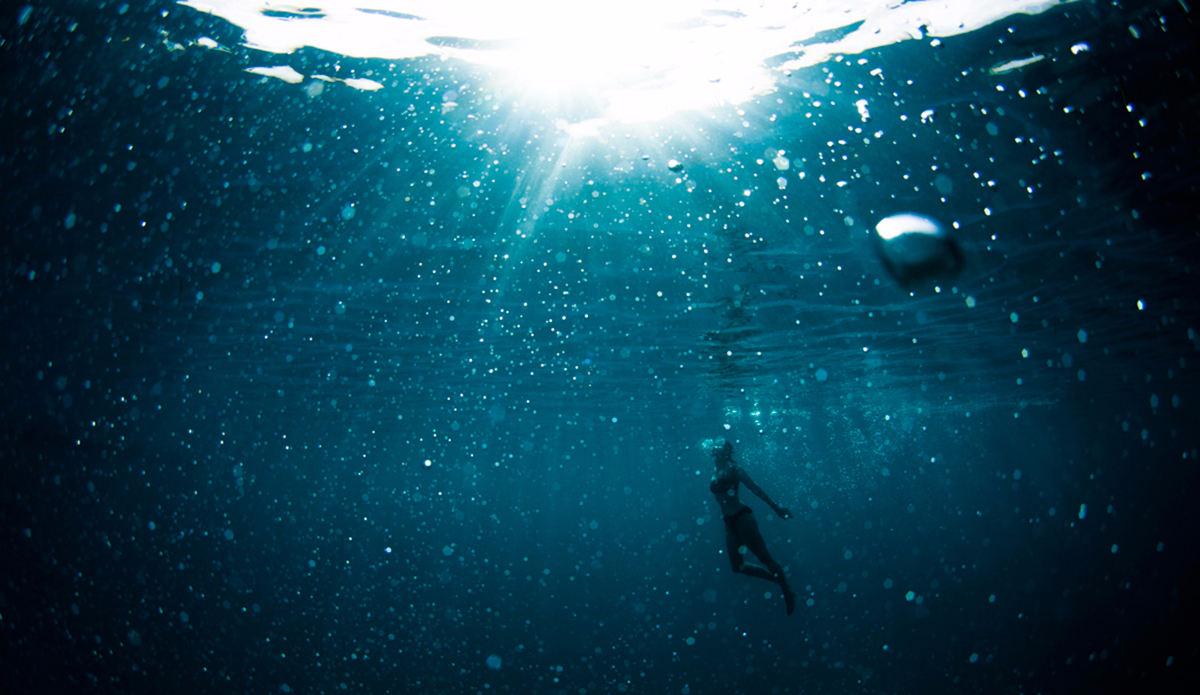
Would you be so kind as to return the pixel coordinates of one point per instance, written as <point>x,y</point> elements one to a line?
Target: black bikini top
<point>724,482</point>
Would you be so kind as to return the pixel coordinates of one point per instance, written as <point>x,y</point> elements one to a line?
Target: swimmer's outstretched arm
<point>783,512</point>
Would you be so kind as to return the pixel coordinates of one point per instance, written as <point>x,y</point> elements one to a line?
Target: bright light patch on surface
<point>289,75</point>
<point>1009,66</point>
<point>627,60</point>
<point>282,72</point>
<point>363,84</point>
<point>644,60</point>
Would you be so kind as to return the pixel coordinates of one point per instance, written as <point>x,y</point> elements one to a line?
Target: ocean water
<point>381,348</point>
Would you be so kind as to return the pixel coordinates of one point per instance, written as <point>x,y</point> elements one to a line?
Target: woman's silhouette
<point>741,530</point>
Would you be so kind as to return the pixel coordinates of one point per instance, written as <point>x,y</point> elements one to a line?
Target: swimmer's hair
<point>725,450</point>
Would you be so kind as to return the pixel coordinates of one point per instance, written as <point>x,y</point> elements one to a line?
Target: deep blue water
<point>293,405</point>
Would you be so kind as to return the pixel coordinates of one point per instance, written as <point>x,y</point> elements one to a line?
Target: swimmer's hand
<point>783,512</point>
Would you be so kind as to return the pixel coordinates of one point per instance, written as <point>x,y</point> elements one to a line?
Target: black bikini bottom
<point>732,519</point>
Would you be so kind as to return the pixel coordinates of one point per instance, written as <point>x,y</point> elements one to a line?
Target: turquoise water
<point>312,388</point>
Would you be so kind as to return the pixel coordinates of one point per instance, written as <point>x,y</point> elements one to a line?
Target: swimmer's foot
<point>789,597</point>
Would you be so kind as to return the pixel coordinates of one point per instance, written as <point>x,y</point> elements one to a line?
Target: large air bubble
<point>914,247</point>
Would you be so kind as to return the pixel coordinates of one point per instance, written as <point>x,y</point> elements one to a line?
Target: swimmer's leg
<point>737,554</point>
<point>752,538</point>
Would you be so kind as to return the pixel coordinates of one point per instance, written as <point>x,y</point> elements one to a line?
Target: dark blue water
<point>354,393</point>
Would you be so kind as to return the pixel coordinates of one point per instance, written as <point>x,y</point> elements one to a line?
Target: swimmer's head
<point>724,453</point>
